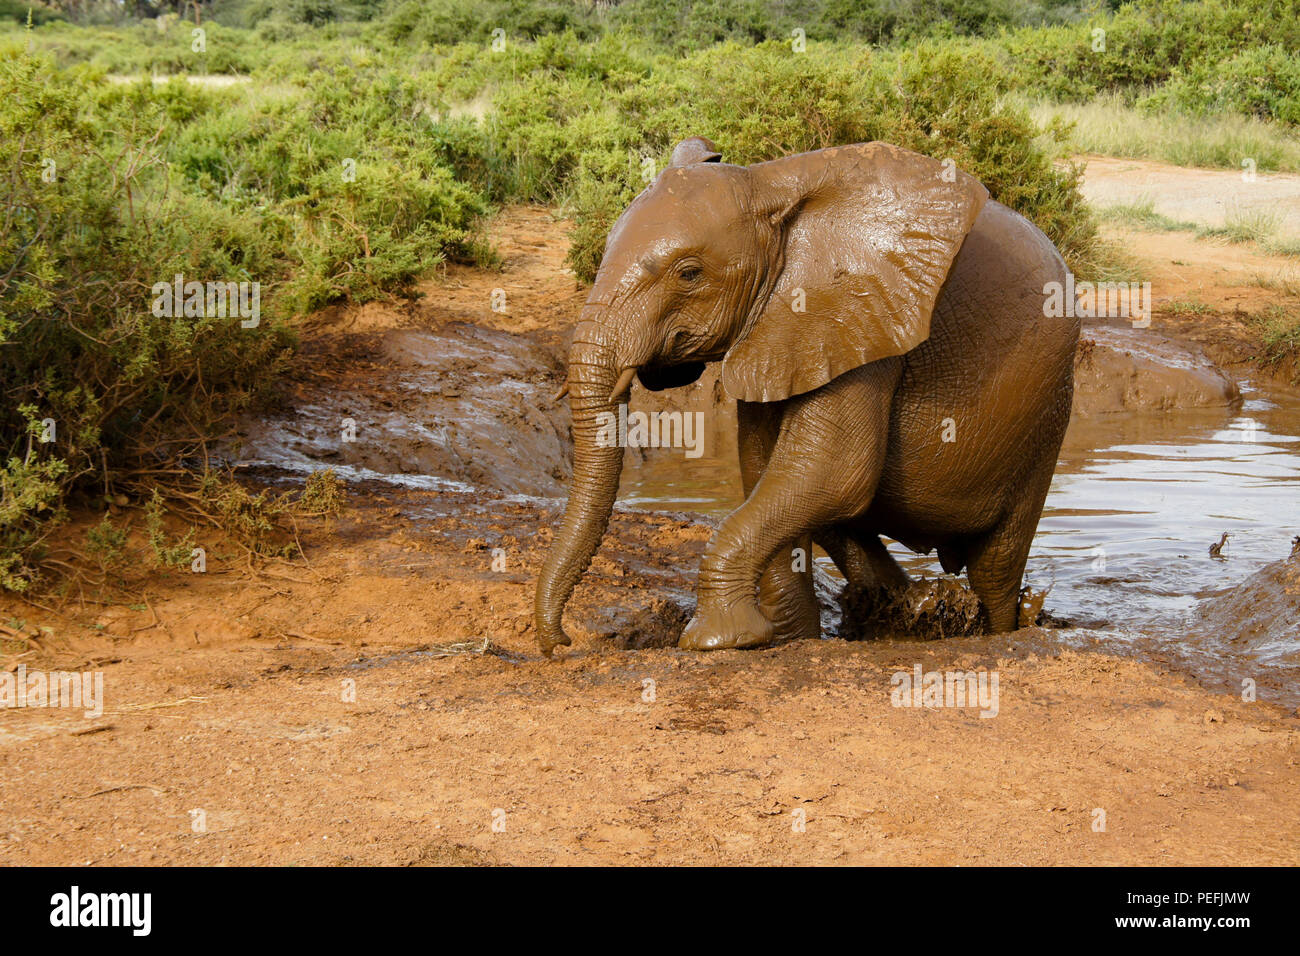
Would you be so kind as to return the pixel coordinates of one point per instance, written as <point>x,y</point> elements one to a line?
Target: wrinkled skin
<point>881,324</point>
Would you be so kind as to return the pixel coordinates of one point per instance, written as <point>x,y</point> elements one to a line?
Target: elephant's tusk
<point>564,390</point>
<point>622,384</point>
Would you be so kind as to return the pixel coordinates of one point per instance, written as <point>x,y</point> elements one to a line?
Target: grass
<point>1108,126</point>
<point>1286,246</point>
<point>1255,225</point>
<point>1141,214</point>
<point>1287,285</point>
<point>1239,226</point>
<point>1280,333</point>
<point>1111,262</point>
<point>1188,307</point>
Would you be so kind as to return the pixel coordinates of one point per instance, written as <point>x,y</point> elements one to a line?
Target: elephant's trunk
<point>593,374</point>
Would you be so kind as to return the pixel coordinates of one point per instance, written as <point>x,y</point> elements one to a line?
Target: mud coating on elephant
<point>880,322</point>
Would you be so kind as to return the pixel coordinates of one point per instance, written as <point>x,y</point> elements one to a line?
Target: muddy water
<point>1136,502</point>
<point>1138,499</point>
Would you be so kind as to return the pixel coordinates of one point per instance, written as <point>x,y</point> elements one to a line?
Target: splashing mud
<point>928,609</point>
<point>1164,453</point>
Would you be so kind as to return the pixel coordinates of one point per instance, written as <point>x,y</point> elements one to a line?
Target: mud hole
<point>383,701</point>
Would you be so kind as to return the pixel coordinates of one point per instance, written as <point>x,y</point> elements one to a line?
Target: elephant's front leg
<point>823,469</point>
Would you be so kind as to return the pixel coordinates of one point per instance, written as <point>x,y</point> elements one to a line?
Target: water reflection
<point>1138,500</point>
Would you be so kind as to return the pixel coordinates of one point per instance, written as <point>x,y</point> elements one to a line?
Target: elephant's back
<point>984,401</point>
<point>998,289</point>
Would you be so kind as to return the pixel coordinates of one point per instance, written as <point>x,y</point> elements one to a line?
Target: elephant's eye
<point>690,273</point>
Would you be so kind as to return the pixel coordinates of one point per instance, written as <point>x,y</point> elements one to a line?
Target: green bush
<point>1147,43</point>
<point>1205,49</point>
<point>117,187</point>
<point>448,22</point>
<point>150,47</point>
<point>348,177</point>
<point>1263,82</point>
<point>587,141</point>
<point>88,228</point>
<point>20,11</point>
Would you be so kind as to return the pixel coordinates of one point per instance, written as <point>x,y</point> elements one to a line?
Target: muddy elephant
<point>881,323</point>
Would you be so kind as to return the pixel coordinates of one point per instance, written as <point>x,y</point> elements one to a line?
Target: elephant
<point>880,321</point>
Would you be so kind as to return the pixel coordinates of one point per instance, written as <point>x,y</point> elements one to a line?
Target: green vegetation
<point>1142,215</point>
<point>1189,307</point>
<point>1252,225</point>
<point>1108,126</point>
<point>341,149</point>
<point>1243,226</point>
<point>113,188</point>
<point>1283,246</point>
<point>1280,328</point>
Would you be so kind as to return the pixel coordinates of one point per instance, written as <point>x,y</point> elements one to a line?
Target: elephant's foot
<point>714,628</point>
<point>793,618</point>
<point>786,598</point>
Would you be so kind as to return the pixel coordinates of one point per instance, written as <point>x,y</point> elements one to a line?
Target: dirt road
<point>1203,196</point>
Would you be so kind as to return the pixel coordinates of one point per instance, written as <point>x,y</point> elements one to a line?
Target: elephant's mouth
<point>659,377</point>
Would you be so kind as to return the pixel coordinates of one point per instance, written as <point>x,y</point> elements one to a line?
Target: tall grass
<point>1109,126</point>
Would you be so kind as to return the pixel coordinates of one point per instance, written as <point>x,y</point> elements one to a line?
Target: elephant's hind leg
<point>996,562</point>
<point>785,591</point>
<point>863,559</point>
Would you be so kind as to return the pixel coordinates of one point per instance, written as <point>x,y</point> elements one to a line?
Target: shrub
<point>24,11</point>
<point>89,226</point>
<point>1263,82</point>
<point>168,180</point>
<point>1147,43</point>
<point>587,141</point>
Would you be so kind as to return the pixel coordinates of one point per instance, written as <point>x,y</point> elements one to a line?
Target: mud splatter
<point>928,609</point>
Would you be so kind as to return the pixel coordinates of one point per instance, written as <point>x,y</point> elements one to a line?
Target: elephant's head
<point>790,272</point>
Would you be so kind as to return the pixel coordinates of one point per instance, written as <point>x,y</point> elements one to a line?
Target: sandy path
<point>1202,196</point>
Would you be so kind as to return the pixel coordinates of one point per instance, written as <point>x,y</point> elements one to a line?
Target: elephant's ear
<point>868,234</point>
<point>697,149</point>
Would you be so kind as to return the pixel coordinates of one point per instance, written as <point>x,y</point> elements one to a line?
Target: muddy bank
<point>453,406</point>
<point>1120,369</point>
<point>1260,617</point>
<point>457,407</point>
